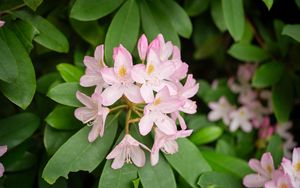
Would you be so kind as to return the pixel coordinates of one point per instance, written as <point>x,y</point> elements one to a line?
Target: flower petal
<point>111,94</point>
<point>85,114</point>
<point>119,160</point>
<point>147,93</point>
<point>109,76</point>
<point>1,170</point>
<point>267,163</point>
<point>145,124</point>
<point>122,57</point>
<point>84,99</point>
<point>142,47</point>
<point>154,157</point>
<point>132,92</point>
<point>137,156</point>
<point>165,124</point>
<point>254,180</point>
<point>138,73</point>
<point>3,149</point>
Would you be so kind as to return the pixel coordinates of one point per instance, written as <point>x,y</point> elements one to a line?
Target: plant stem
<point>118,107</point>
<point>137,112</point>
<point>13,8</point>
<point>134,120</point>
<point>128,115</point>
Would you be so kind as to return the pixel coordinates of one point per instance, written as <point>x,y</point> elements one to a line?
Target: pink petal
<point>1,166</point>
<point>90,80</point>
<point>167,51</point>
<point>84,99</point>
<point>109,76</point>
<point>122,57</point>
<point>138,73</point>
<point>99,54</point>
<point>3,149</point>
<point>116,151</point>
<point>111,94</point>
<point>85,114</point>
<point>147,93</point>
<point>246,126</point>
<point>96,130</point>
<point>154,157</point>
<point>176,53</point>
<point>119,160</point>
<point>183,133</point>
<point>180,72</point>
<point>296,156</point>
<point>254,180</point>
<point>142,47</point>
<point>166,69</point>
<point>214,116</point>
<point>165,124</point>
<point>180,119</point>
<point>267,163</point>
<point>170,147</point>
<point>152,59</point>
<point>1,25</point>
<point>90,63</point>
<point>137,156</point>
<point>234,125</point>
<point>255,165</point>
<point>189,107</point>
<point>132,92</point>
<point>145,124</point>
<point>170,106</point>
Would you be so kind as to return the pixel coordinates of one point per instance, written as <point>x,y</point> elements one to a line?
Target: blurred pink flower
<point>280,182</point>
<point>245,72</point>
<point>265,129</point>
<point>3,149</point>
<point>241,118</point>
<point>220,110</point>
<point>93,113</point>
<point>292,168</point>
<point>2,23</point>
<point>166,143</point>
<point>119,79</point>
<point>128,150</point>
<point>283,131</point>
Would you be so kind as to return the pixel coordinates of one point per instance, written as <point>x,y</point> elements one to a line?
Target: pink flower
<point>1,25</point>
<point>220,110</point>
<point>264,169</point>
<point>283,131</point>
<point>292,168</point>
<point>166,143</point>
<point>245,72</point>
<point>142,47</point>
<point>94,65</point>
<point>93,113</point>
<point>3,149</point>
<point>181,68</point>
<point>156,112</point>
<point>128,150</point>
<point>280,182</point>
<point>265,129</point>
<point>119,79</point>
<point>241,118</point>
<point>163,49</point>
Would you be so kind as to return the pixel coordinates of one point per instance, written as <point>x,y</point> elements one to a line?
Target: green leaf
<point>268,3</point>
<point>49,36</point>
<point>195,7</point>
<point>15,129</point>
<point>267,74</point>
<point>62,117</point>
<point>22,90</point>
<point>87,10</point>
<point>227,164</point>
<point>90,31</point>
<point>234,17</point>
<point>65,93</point>
<point>282,98</point>
<point>8,63</point>
<point>33,4</point>
<point>124,29</point>
<point>219,180</point>
<point>198,122</point>
<point>188,161</point>
<point>206,135</point>
<point>45,81</point>
<point>69,73</point>
<point>79,154</point>
<point>136,183</point>
<point>154,22</point>
<point>160,175</point>
<point>54,138</point>
<point>217,15</point>
<point>22,161</point>
<point>224,147</point>
<point>276,149</point>
<point>177,16</point>
<point>292,30</point>
<point>248,52</point>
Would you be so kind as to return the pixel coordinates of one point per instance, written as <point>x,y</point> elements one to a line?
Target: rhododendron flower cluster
<point>253,110</point>
<point>286,176</point>
<point>3,149</point>
<point>153,93</point>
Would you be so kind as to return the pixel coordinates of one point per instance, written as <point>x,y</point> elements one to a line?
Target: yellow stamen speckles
<point>122,71</point>
<point>297,166</point>
<point>284,185</point>
<point>156,102</point>
<point>270,169</point>
<point>150,69</point>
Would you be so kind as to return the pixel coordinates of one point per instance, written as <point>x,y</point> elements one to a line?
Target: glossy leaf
<point>79,154</point>
<point>22,89</point>
<point>124,29</point>
<point>216,12</point>
<point>62,117</point>
<point>275,147</point>
<point>206,135</point>
<point>268,3</point>
<point>8,63</point>
<point>45,81</point>
<point>195,7</point>
<point>33,4</point>
<point>227,164</point>
<point>49,36</point>
<point>188,161</point>
<point>234,17</point>
<point>69,73</point>
<point>22,162</point>
<point>248,52</point>
<point>220,180</point>
<point>15,129</point>
<point>87,10</point>
<point>65,93</point>
<point>282,98</point>
<point>268,74</point>
<point>292,30</point>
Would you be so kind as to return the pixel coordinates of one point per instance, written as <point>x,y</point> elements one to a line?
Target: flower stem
<point>134,120</point>
<point>137,112</point>
<point>118,107</point>
<point>128,115</point>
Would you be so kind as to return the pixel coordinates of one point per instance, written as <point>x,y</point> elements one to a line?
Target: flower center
<point>150,69</point>
<point>269,169</point>
<point>297,166</point>
<point>122,71</point>
<point>284,185</point>
<point>156,102</point>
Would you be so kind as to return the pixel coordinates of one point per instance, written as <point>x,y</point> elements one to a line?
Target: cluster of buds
<point>151,92</point>
<point>286,176</point>
<point>253,112</point>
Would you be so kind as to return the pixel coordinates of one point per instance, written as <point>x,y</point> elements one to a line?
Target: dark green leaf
<point>62,117</point>
<point>33,4</point>
<point>216,12</point>
<point>87,10</point>
<point>219,180</point>
<point>248,52</point>
<point>79,154</point>
<point>198,122</point>
<point>292,31</point>
<point>49,36</point>
<point>234,17</point>
<point>22,90</point>
<point>23,161</point>
<point>206,135</point>
<point>268,74</point>
<point>195,7</point>
<point>69,73</point>
<point>65,93</point>
<point>276,149</point>
<point>268,3</point>
<point>225,147</point>
<point>15,129</point>
<point>227,164</point>
<point>124,29</point>
<point>282,98</point>
<point>188,161</point>
<point>45,81</point>
<point>8,63</point>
